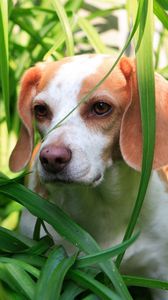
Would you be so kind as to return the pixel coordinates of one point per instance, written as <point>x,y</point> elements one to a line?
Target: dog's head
<point>88,140</point>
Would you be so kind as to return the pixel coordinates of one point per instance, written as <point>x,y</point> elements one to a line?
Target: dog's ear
<point>24,146</point>
<point>131,129</point>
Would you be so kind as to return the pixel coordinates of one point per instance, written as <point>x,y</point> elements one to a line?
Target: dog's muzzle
<point>55,158</point>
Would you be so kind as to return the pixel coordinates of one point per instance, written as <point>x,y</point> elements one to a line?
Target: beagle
<point>90,163</point>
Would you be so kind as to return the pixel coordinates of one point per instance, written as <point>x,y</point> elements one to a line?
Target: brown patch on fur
<point>49,70</point>
<point>163,174</point>
<point>126,67</point>
<point>115,85</point>
<point>165,170</point>
<point>22,152</point>
<point>114,91</point>
<point>34,154</point>
<point>131,129</point>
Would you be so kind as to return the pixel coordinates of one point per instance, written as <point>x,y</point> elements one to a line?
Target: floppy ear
<point>131,129</point>
<point>23,149</point>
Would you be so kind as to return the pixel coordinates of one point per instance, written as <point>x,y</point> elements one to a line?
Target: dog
<point>89,164</point>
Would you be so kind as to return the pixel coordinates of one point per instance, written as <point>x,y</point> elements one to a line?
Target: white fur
<point>104,211</point>
<point>61,95</point>
<point>102,207</point>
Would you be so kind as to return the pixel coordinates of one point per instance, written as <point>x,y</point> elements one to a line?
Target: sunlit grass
<point>28,268</point>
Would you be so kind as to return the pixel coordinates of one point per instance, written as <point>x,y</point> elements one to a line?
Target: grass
<point>30,268</point>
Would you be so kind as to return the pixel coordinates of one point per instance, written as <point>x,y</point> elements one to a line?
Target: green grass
<point>30,268</point>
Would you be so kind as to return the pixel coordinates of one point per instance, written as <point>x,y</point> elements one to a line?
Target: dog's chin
<point>50,178</point>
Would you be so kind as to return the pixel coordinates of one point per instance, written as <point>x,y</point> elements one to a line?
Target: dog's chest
<point>104,211</point>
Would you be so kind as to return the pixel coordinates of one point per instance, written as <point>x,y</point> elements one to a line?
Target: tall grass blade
<point>4,56</point>
<point>65,25</point>
<point>145,74</point>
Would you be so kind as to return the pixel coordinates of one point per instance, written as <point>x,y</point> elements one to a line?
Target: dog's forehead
<point>62,81</point>
<point>66,82</point>
<point>70,76</point>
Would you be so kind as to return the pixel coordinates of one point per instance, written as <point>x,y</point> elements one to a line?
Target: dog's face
<point>82,147</point>
<point>86,142</point>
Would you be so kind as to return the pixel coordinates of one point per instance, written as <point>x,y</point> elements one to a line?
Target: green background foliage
<point>32,31</point>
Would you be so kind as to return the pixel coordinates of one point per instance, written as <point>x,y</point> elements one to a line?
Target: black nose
<point>54,159</point>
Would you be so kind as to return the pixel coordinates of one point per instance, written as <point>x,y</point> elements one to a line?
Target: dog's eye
<point>40,111</point>
<point>101,108</point>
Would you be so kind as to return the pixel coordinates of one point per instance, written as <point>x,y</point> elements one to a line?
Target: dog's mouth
<point>66,178</point>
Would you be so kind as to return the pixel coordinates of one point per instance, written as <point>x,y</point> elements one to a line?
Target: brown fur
<point>131,131</point>
<point>121,91</point>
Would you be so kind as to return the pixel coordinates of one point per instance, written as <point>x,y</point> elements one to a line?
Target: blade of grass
<point>88,260</point>
<point>52,275</point>
<point>73,5</point>
<point>65,227</point>
<point>161,14</point>
<point>145,282</point>
<point>30,30</point>
<point>65,25</point>
<point>88,282</point>
<point>21,11</point>
<point>92,35</point>
<point>34,260</point>
<point>13,242</point>
<point>163,3</point>
<point>104,12</point>
<point>37,228</point>
<point>145,74</point>
<point>41,246</point>
<point>4,56</point>
<point>54,287</point>
<point>164,72</point>
<point>159,47</point>
<point>71,291</point>
<point>17,279</point>
<point>25,266</point>
<point>60,39</point>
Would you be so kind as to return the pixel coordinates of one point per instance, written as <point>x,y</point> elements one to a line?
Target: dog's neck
<point>103,210</point>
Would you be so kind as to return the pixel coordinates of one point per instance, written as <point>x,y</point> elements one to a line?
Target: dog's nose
<point>54,159</point>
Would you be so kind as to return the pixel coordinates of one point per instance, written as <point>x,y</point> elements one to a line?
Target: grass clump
<point>36,268</point>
